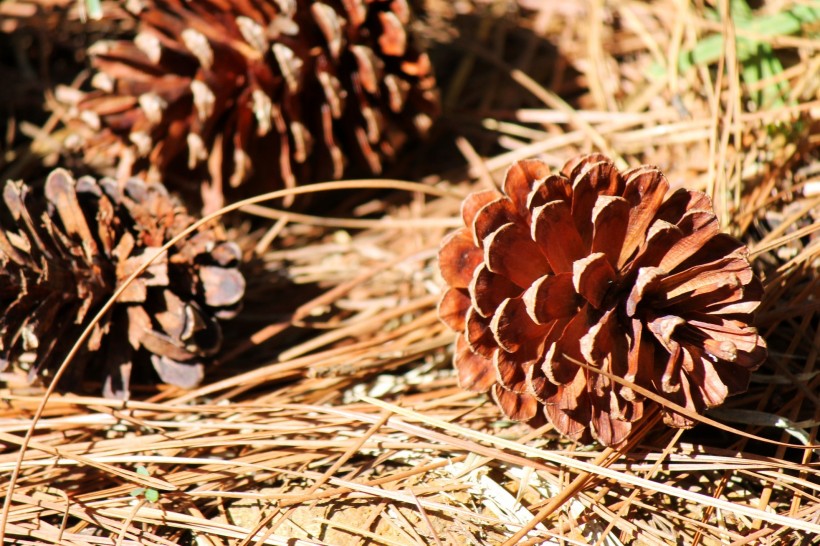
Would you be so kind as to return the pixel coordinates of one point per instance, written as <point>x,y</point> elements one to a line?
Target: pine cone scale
<point>452,308</point>
<point>59,193</point>
<point>479,335</point>
<point>558,362</point>
<point>551,297</point>
<point>554,231</point>
<point>521,179</point>
<point>512,326</point>
<point>521,407</point>
<point>724,273</point>
<point>474,372</point>
<point>510,253</point>
<point>490,289</point>
<point>569,409</point>
<point>644,191</point>
<point>592,278</point>
<point>703,226</point>
<point>512,369</point>
<point>609,430</point>
<point>610,218</point>
<point>491,217</point>
<point>473,203</point>
<point>221,287</point>
<point>176,373</point>
<point>462,257</point>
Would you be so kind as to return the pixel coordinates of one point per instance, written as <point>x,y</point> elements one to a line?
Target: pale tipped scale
<point>331,25</point>
<point>198,45</point>
<point>393,41</point>
<point>262,110</point>
<point>302,141</point>
<point>370,68</point>
<point>397,92</point>
<point>204,99</point>
<point>333,93</point>
<point>282,25</point>
<point>142,141</point>
<point>287,7</point>
<point>103,82</point>
<point>253,33</point>
<point>152,106</point>
<point>196,150</point>
<point>150,45</point>
<point>289,64</point>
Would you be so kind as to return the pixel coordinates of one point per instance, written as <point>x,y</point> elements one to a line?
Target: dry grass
<point>333,416</point>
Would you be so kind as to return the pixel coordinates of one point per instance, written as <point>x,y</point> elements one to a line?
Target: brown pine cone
<point>66,249</point>
<point>287,90</point>
<point>593,265</point>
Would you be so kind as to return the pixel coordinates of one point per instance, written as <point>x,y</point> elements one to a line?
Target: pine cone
<point>66,249</point>
<point>593,265</point>
<point>285,90</point>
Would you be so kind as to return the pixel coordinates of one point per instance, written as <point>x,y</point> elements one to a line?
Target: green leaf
<point>151,495</point>
<point>785,23</point>
<point>740,11</point>
<point>758,59</point>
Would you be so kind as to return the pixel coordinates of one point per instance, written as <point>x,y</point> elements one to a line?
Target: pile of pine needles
<point>333,415</point>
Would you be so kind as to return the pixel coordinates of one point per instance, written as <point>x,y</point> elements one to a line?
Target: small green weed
<point>148,493</point>
<point>758,59</point>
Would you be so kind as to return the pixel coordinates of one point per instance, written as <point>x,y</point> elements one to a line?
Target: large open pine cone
<point>595,266</point>
<point>65,250</point>
<point>286,90</point>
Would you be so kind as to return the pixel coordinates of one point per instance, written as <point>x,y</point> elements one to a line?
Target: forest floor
<point>333,414</point>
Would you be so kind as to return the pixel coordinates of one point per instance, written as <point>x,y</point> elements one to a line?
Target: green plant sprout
<point>150,494</point>
<point>757,58</point>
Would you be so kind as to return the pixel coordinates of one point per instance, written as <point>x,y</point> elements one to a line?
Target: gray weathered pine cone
<point>65,249</point>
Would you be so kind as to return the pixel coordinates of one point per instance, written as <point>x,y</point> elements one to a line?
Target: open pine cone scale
<point>593,265</point>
